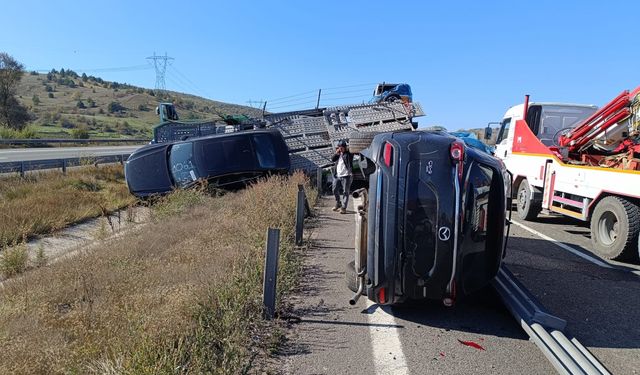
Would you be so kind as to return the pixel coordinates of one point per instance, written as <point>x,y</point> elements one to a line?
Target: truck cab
<point>546,120</point>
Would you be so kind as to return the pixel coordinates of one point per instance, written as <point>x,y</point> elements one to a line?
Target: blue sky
<point>467,61</point>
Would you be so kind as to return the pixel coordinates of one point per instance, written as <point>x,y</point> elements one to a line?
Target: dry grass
<point>48,201</point>
<point>182,295</point>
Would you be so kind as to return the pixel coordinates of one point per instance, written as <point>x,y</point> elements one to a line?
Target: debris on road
<point>471,344</point>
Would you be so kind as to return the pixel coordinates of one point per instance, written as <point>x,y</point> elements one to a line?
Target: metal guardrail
<point>568,356</point>
<point>33,165</point>
<point>64,140</point>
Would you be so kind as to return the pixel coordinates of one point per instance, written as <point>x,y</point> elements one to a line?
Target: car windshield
<point>265,151</point>
<point>555,118</point>
<point>181,164</point>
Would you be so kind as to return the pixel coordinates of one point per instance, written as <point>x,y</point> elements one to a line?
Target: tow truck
<point>579,161</point>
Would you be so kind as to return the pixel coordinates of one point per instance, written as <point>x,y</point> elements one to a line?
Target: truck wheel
<point>392,98</point>
<point>358,141</point>
<point>352,278</point>
<point>615,225</point>
<point>528,209</point>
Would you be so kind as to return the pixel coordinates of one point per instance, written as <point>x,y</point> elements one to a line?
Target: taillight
<point>388,154</point>
<point>457,156</point>
<point>381,295</point>
<point>457,151</point>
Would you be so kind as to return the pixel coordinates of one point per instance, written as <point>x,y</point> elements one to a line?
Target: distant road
<point>25,154</point>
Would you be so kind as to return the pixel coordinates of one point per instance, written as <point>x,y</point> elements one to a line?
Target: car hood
<point>146,170</point>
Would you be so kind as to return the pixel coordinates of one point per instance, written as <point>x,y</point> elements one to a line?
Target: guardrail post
<point>307,209</point>
<point>301,206</point>
<point>64,166</point>
<point>22,169</point>
<point>270,273</point>
<point>319,181</point>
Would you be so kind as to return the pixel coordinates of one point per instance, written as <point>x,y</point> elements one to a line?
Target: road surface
<point>599,304</point>
<point>25,154</point>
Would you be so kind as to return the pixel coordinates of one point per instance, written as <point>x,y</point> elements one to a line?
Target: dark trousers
<point>342,190</point>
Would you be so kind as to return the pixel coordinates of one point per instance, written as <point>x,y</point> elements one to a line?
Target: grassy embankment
<point>44,202</point>
<point>62,105</point>
<point>181,295</point>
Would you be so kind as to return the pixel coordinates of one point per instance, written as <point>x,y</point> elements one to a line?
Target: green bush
<point>26,133</point>
<point>14,260</point>
<point>115,107</point>
<point>80,133</point>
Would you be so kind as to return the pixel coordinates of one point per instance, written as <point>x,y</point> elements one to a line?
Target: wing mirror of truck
<point>488,132</point>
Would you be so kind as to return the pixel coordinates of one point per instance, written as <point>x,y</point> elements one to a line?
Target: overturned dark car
<point>223,160</point>
<point>432,224</point>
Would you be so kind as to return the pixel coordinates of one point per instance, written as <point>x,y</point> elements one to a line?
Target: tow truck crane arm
<point>604,122</point>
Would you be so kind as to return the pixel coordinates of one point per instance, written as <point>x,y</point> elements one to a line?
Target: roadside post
<point>270,273</point>
<point>302,208</point>
<point>319,181</point>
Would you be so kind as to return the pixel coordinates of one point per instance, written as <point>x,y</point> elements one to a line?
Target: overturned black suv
<point>432,224</point>
<point>223,160</point>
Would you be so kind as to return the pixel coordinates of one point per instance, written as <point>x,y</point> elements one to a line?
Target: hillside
<point>62,102</point>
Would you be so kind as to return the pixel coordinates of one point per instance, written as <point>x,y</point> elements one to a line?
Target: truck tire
<point>615,225</point>
<point>358,141</point>
<point>352,278</point>
<point>528,208</point>
<point>392,98</point>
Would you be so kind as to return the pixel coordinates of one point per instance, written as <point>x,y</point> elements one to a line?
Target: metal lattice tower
<point>160,63</point>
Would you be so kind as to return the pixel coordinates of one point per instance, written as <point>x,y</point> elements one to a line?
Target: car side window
<point>226,154</point>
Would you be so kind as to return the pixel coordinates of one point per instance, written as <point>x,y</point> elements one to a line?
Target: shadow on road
<point>481,313</point>
<point>598,303</point>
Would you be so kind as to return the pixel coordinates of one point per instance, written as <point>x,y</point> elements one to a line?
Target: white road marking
<point>565,247</point>
<point>388,357</point>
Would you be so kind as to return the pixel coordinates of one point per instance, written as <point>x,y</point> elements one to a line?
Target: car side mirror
<point>488,132</point>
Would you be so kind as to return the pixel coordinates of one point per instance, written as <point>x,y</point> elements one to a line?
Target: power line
<point>188,88</point>
<point>184,77</point>
<point>292,105</point>
<point>350,86</point>
<point>102,70</point>
<point>290,96</point>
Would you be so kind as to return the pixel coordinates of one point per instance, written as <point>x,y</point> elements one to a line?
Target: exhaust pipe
<point>358,293</point>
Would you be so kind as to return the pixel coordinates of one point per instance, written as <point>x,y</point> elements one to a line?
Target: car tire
<point>528,208</point>
<point>392,98</point>
<point>615,227</point>
<point>358,141</point>
<point>352,278</point>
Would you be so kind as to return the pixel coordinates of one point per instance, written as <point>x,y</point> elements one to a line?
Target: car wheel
<point>528,208</point>
<point>615,225</point>
<point>358,141</point>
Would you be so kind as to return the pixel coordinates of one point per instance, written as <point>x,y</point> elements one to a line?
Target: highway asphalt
<point>600,305</point>
<point>25,154</point>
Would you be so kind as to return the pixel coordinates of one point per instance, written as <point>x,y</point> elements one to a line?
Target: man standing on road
<point>343,176</point>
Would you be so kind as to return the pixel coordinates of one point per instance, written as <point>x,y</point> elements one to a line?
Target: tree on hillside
<point>12,114</point>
